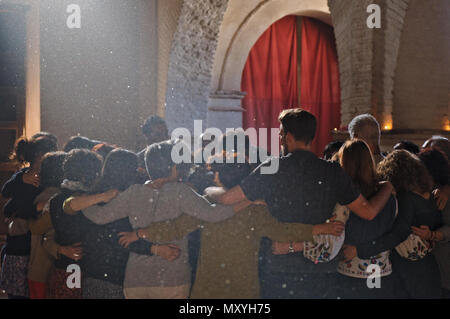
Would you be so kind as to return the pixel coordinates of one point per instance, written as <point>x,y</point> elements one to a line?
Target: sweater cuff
<point>67,208</point>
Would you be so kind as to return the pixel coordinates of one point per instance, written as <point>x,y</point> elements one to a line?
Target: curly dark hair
<point>406,172</point>
<point>83,166</point>
<point>52,173</point>
<point>437,164</point>
<point>29,150</point>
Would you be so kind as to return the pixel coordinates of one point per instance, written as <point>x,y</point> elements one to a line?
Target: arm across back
<point>191,203</point>
<point>445,229</point>
<point>268,226</point>
<point>13,185</point>
<point>49,243</point>
<point>117,208</point>
<point>174,229</point>
<point>43,223</point>
<point>399,232</point>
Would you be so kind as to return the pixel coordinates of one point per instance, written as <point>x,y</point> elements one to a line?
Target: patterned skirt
<point>58,288</point>
<point>13,278</point>
<point>101,289</point>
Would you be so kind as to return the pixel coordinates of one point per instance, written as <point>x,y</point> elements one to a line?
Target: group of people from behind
<point>138,225</point>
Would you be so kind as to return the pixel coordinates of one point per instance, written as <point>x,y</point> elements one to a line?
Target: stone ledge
<point>392,137</point>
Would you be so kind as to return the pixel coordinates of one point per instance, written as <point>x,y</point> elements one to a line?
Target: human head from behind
<point>30,151</point>
<point>52,173</point>
<point>79,142</point>
<point>366,128</point>
<point>439,142</point>
<point>407,145</point>
<point>297,130</point>
<point>155,130</point>
<point>119,170</point>
<point>228,170</point>
<point>437,164</point>
<point>238,142</point>
<point>161,166</point>
<point>81,169</point>
<point>47,135</point>
<point>357,161</point>
<point>406,172</point>
<point>331,149</point>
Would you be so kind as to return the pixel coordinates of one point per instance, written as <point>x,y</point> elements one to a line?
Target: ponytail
<point>27,150</point>
<point>21,151</point>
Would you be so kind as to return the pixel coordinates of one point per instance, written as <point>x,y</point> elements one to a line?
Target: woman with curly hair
<point>411,261</point>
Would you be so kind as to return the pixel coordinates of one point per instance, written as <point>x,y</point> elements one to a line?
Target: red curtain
<point>270,76</point>
<point>320,92</point>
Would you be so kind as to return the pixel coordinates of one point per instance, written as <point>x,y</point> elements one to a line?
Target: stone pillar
<point>33,72</point>
<point>224,110</point>
<point>367,57</point>
<point>191,62</point>
<point>354,42</point>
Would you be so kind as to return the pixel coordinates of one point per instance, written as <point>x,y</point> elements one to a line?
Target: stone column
<point>191,62</point>
<point>224,110</point>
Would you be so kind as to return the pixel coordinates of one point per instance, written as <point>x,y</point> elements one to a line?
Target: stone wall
<point>191,62</point>
<point>168,15</point>
<point>91,77</point>
<point>354,42</point>
<point>422,79</point>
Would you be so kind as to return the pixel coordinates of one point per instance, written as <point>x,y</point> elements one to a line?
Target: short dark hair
<point>119,170</point>
<point>331,149</point>
<point>48,135</point>
<point>159,163</point>
<point>231,173</point>
<point>28,150</point>
<point>407,145</point>
<point>79,142</point>
<point>83,166</point>
<point>437,164</point>
<point>300,123</point>
<point>151,123</point>
<point>51,174</point>
<point>439,142</point>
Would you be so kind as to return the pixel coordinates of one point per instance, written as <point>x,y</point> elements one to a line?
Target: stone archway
<point>213,39</point>
<point>241,28</point>
<point>211,45</point>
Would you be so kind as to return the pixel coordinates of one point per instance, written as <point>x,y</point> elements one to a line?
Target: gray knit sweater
<point>143,206</point>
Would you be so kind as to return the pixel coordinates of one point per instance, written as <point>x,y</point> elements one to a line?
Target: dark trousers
<point>357,288</point>
<point>445,293</point>
<point>16,297</point>
<point>299,285</point>
<point>420,279</point>
<point>194,251</point>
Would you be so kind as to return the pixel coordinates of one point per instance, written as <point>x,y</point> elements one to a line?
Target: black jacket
<point>20,205</point>
<point>103,257</point>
